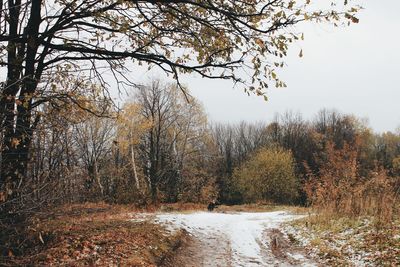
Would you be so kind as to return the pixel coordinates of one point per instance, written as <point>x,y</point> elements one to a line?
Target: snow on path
<point>244,232</point>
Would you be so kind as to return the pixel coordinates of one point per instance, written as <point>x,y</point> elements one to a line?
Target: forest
<point>161,148</point>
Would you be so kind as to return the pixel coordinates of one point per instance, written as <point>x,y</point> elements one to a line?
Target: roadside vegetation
<point>355,219</point>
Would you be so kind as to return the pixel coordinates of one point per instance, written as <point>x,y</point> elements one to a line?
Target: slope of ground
<point>88,235</point>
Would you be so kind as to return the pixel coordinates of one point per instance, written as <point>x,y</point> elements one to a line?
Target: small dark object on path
<point>212,205</point>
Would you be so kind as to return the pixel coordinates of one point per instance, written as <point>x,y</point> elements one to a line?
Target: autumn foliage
<point>339,189</point>
<point>268,175</point>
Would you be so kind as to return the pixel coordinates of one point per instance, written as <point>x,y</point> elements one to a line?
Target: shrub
<point>267,176</point>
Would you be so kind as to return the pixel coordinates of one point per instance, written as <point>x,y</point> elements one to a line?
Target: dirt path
<point>201,250</point>
<point>237,239</point>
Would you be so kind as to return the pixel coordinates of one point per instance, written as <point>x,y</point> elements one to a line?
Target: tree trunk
<point>16,113</point>
<point>154,193</point>
<point>97,177</point>
<point>134,168</point>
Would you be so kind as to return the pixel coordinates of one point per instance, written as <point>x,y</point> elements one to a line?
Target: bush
<point>268,176</point>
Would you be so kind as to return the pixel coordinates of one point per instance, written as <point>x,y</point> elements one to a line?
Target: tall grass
<point>339,190</point>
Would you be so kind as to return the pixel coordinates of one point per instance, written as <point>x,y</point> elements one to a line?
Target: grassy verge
<point>91,234</point>
<point>192,207</point>
<point>343,241</point>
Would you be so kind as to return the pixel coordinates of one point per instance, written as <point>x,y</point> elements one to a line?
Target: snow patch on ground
<point>346,243</point>
<point>244,232</point>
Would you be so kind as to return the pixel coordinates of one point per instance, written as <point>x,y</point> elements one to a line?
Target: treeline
<point>308,142</point>
<point>160,148</point>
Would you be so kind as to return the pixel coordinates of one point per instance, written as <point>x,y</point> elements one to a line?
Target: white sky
<point>353,69</point>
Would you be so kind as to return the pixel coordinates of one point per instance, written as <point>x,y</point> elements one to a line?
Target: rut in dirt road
<point>235,239</point>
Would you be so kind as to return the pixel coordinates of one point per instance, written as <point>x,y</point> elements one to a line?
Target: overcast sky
<point>354,70</point>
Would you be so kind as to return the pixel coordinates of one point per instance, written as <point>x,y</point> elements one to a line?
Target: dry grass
<point>250,208</point>
<point>339,189</point>
<point>375,197</point>
<point>345,241</point>
<point>255,207</point>
<point>181,207</point>
<point>87,235</point>
<point>357,217</point>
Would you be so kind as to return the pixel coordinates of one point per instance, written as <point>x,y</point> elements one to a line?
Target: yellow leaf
<point>15,142</point>
<point>41,238</point>
<point>259,42</point>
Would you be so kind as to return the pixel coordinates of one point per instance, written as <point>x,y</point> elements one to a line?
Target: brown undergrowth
<point>356,217</point>
<point>87,235</point>
<point>340,190</point>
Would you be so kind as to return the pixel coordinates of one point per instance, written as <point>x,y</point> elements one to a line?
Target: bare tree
<point>94,141</point>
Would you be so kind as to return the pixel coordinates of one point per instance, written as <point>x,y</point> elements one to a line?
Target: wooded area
<point>56,57</point>
<point>64,140</point>
<point>161,148</point>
